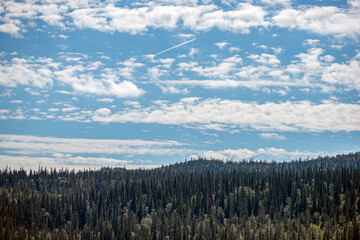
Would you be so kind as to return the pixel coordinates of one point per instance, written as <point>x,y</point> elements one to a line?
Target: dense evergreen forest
<point>199,199</point>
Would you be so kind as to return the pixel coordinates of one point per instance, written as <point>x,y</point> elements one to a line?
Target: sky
<point>89,84</point>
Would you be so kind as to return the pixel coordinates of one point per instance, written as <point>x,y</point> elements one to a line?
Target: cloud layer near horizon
<point>30,152</point>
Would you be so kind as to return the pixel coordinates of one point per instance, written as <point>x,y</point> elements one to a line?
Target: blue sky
<point>86,84</point>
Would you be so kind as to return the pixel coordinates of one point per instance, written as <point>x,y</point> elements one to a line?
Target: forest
<point>198,199</point>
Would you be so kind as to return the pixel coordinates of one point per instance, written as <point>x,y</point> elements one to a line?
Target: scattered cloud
<point>16,101</point>
<point>234,49</point>
<point>107,100</point>
<point>21,71</point>
<point>60,161</point>
<point>285,3</point>
<point>233,114</point>
<point>221,45</point>
<point>312,42</point>
<point>106,17</point>
<point>269,153</point>
<point>347,74</point>
<point>186,35</point>
<point>326,20</point>
<point>264,58</point>
<point>272,136</point>
<point>41,73</point>
<point>220,70</point>
<point>50,145</point>
<point>30,152</point>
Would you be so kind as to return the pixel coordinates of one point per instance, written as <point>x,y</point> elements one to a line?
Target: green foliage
<point>201,199</point>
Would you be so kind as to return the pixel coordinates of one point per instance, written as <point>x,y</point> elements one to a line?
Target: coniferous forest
<point>199,199</point>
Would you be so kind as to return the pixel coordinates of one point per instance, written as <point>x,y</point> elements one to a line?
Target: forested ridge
<point>199,199</point>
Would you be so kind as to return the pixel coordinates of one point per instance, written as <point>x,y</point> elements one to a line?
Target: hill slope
<point>203,199</point>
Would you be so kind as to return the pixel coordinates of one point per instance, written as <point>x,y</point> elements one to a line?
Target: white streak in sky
<point>175,46</point>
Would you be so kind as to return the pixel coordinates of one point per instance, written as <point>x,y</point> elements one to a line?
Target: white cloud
<point>221,45</point>
<point>16,101</point>
<point>229,83</point>
<point>232,114</point>
<point>103,111</point>
<point>32,151</point>
<point>327,20</point>
<point>264,47</point>
<point>107,100</point>
<point>21,71</point>
<point>129,67</point>
<point>312,69</point>
<point>106,17</point>
<point>63,161</point>
<point>49,145</point>
<point>220,70</point>
<point>41,73</point>
<point>173,90</point>
<point>264,58</point>
<point>238,21</point>
<point>90,18</point>
<point>312,42</point>
<point>309,64</point>
<point>272,136</point>
<point>285,3</point>
<point>269,153</point>
<point>11,28</point>
<point>193,51</point>
<point>277,50</point>
<point>134,104</point>
<point>186,35</point>
<point>167,62</point>
<point>343,74</point>
<point>155,72</point>
<point>234,49</point>
<point>168,15</point>
<point>65,37</point>
<point>69,109</point>
<point>336,46</point>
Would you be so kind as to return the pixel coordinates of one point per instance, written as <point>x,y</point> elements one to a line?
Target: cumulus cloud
<point>347,74</point>
<point>221,45</point>
<point>284,116</point>
<point>220,70</point>
<point>240,20</point>
<point>107,100</point>
<point>22,71</point>
<point>33,151</point>
<point>230,83</point>
<point>50,145</point>
<point>272,136</point>
<point>285,3</point>
<point>269,153</point>
<point>41,73</point>
<point>327,20</point>
<point>106,17</point>
<point>312,42</point>
<point>11,28</point>
<point>264,58</point>
<point>168,15</point>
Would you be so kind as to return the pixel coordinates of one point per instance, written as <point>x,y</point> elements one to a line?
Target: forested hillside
<point>200,199</point>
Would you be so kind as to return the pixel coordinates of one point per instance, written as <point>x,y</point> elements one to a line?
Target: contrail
<point>175,46</point>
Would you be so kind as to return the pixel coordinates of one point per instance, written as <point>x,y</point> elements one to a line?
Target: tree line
<point>200,199</point>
